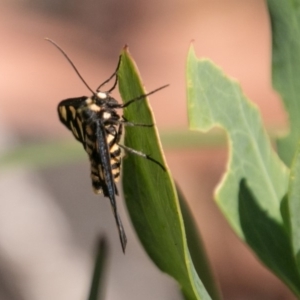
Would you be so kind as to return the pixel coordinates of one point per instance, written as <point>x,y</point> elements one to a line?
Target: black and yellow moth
<point>96,124</point>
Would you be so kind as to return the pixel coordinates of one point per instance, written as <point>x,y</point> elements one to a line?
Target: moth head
<point>100,98</point>
<point>102,95</point>
<point>104,98</point>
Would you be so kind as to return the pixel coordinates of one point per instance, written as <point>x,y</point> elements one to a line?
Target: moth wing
<point>69,116</point>
<point>105,172</point>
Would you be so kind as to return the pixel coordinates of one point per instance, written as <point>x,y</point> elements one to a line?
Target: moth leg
<point>119,133</point>
<point>115,74</point>
<point>141,97</point>
<point>127,123</point>
<point>116,134</point>
<point>139,153</point>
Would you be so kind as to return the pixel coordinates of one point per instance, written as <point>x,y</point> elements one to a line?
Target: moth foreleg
<point>139,153</point>
<point>126,123</point>
<point>141,97</point>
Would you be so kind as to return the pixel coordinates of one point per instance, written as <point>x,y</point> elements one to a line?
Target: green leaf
<point>285,213</point>
<point>285,22</point>
<point>150,192</point>
<point>186,139</point>
<point>97,283</point>
<point>269,239</point>
<point>216,100</point>
<point>197,249</point>
<point>294,206</point>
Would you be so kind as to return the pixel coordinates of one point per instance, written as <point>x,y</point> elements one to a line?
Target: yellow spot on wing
<point>89,142</point>
<point>74,130</point>
<point>88,101</point>
<point>88,150</point>
<point>63,112</point>
<point>73,111</point>
<point>101,172</point>
<point>94,169</point>
<point>89,130</point>
<point>99,191</point>
<point>80,127</point>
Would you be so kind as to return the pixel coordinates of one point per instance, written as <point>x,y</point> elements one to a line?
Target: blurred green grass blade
<point>150,192</point>
<point>268,238</point>
<point>42,154</point>
<point>216,100</point>
<point>97,283</point>
<point>197,249</point>
<point>294,206</point>
<point>285,24</point>
<point>54,153</point>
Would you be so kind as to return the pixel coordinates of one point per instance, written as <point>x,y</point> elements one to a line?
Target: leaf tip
<point>125,48</point>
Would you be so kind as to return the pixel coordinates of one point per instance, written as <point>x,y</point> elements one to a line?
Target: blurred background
<point>49,216</point>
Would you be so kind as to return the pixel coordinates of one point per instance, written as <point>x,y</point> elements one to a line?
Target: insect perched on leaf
<point>95,123</point>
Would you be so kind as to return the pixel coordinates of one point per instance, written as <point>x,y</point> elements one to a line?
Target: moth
<point>97,125</point>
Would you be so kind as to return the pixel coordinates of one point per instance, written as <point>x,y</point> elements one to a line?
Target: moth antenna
<point>72,64</point>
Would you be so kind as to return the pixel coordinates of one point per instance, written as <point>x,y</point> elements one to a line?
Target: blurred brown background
<point>49,218</point>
